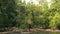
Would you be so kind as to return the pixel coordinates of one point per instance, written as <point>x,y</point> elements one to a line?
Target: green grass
<point>33,33</point>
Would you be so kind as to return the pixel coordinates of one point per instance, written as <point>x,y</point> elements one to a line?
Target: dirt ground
<point>35,30</point>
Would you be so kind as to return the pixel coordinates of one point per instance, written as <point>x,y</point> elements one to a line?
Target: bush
<point>58,26</point>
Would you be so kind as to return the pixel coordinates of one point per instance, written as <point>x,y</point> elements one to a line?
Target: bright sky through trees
<point>48,0</point>
<point>34,1</point>
<point>37,2</point>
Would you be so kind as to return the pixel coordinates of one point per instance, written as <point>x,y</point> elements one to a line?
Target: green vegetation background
<point>15,13</point>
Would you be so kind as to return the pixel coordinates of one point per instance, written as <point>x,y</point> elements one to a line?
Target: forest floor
<point>36,30</point>
<point>47,30</point>
<point>33,31</point>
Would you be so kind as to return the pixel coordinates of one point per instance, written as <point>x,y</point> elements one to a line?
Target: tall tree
<point>8,13</point>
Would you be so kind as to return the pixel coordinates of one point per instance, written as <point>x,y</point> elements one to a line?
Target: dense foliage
<point>15,13</point>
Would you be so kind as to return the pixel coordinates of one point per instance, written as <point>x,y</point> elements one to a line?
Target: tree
<point>8,13</point>
<point>54,12</point>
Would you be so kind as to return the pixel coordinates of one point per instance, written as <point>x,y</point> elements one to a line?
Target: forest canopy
<point>17,13</point>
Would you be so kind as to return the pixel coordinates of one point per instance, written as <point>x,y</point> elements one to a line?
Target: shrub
<point>58,26</point>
